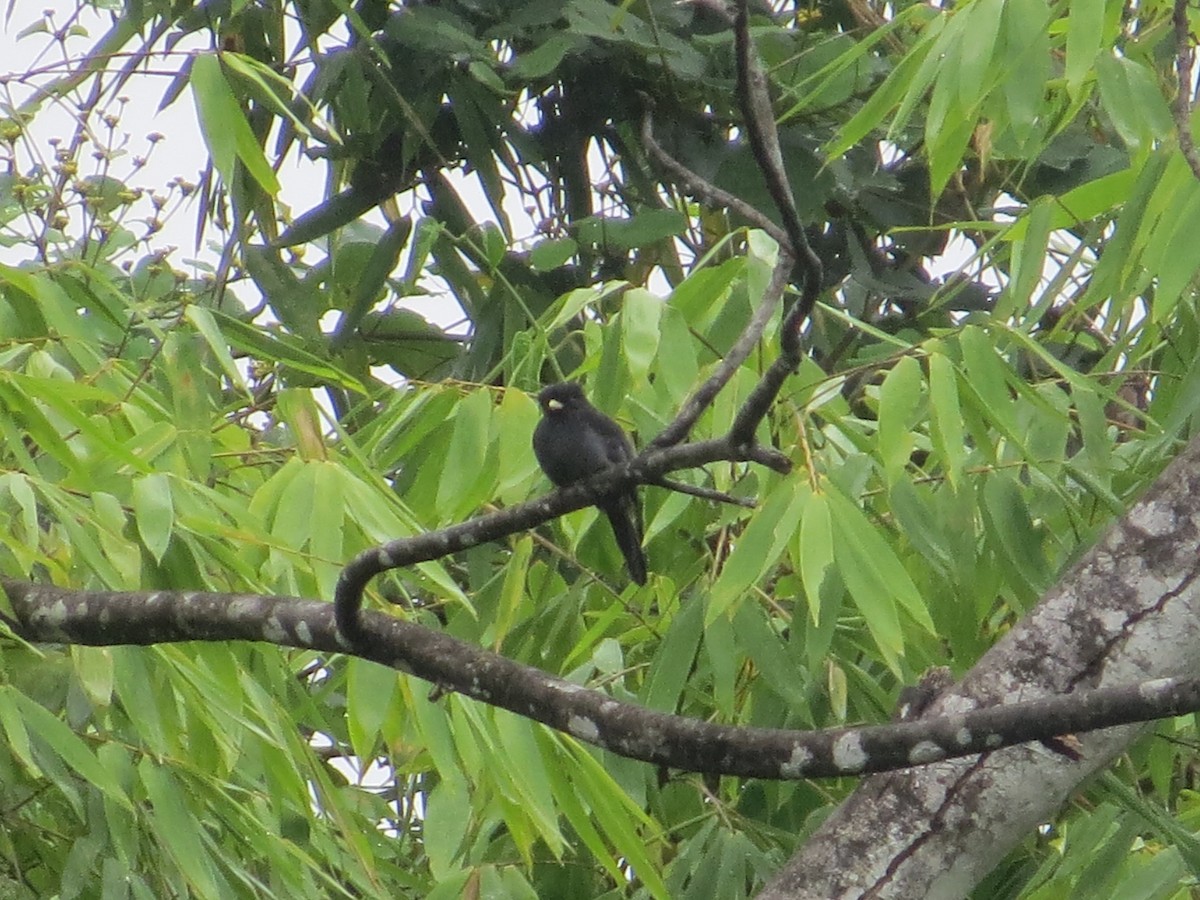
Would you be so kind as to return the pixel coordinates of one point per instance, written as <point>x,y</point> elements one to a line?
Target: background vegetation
<point>252,423</point>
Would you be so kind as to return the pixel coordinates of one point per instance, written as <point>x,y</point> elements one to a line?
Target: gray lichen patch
<point>583,728</point>
<point>848,753</point>
<point>797,763</point>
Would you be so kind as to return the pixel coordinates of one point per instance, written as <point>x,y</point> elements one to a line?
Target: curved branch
<point>644,469</point>
<point>153,617</point>
<point>704,191</point>
<point>703,396</point>
<point>764,143</point>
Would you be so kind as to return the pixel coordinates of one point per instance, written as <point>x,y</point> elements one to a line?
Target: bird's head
<point>564,395</point>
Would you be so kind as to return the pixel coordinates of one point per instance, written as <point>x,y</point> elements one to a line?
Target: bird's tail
<point>626,521</point>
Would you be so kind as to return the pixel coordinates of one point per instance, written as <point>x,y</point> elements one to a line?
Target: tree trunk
<point>1127,611</point>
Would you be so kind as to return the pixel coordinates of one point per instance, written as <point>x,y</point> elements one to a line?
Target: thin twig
<point>704,493</point>
<point>704,191</point>
<point>695,405</point>
<point>759,119</point>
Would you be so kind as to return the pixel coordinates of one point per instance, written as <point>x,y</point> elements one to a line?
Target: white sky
<point>180,153</point>
<point>35,60</point>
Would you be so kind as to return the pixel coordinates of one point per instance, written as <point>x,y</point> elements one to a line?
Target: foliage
<point>957,440</point>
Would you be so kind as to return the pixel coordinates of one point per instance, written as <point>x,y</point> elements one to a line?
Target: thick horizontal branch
<point>109,618</point>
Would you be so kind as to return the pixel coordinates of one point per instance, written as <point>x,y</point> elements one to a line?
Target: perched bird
<point>575,440</point>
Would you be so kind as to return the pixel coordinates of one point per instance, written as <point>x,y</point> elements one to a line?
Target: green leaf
<point>948,433</point>
<point>899,398</point>
<point>339,210</point>
<point>939,37</point>
<point>295,514</point>
<point>815,551</point>
<point>94,669</point>
<point>224,126</point>
<point>911,77</point>
<point>516,417</point>
<point>207,326</point>
<point>327,544</point>
<point>570,803</point>
<point>545,57</point>
<point>526,774</point>
<point>17,734</point>
<point>284,350</point>
<point>370,693</point>
<point>1026,61</point>
<point>987,376</point>
<point>641,312</point>
<point>25,282</point>
<point>705,290</point>
<point>766,649</point>
<point>1029,252</point>
<point>550,254</point>
<point>1011,523</point>
<point>979,40</point>
<point>918,521</point>
<point>1176,268</point>
<point>572,303</point>
<point>370,281</point>
<point>642,229</point>
<point>154,512</point>
<point>1085,30</point>
<point>673,659</point>
<point>1120,250</point>
<point>1133,99</point>
<point>759,547</point>
<point>868,585</point>
<point>178,829</point>
<point>875,577</point>
<point>269,88</point>
<point>620,820</point>
<point>34,425</point>
<point>65,399</point>
<point>512,593</point>
<point>723,662</point>
<point>66,744</point>
<point>469,480</point>
<point>447,807</point>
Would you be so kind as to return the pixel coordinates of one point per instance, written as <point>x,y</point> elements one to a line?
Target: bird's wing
<point>617,448</point>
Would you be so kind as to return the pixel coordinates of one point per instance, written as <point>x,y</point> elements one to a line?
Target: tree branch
<point>703,493</point>
<point>1181,104</point>
<point>152,617</point>
<point>648,466</point>
<point>704,191</point>
<point>1084,654</point>
<point>703,396</point>
<point>759,119</point>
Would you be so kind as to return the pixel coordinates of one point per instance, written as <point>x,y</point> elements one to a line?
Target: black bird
<point>575,440</point>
